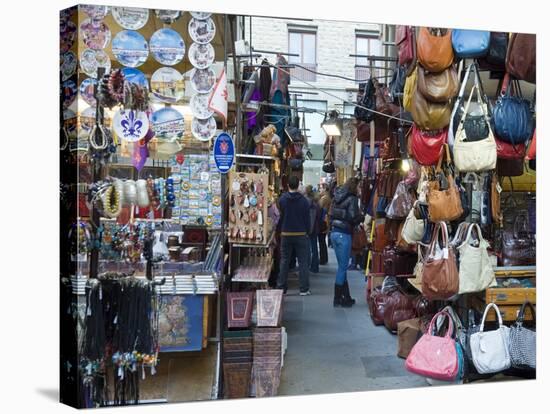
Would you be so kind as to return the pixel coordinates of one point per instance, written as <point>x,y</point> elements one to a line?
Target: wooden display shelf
<point>510,296</point>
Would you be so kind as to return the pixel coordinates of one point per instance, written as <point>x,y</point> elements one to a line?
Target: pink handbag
<point>435,356</point>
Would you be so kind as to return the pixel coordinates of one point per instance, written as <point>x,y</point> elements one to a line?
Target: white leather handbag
<point>490,352</point>
<point>413,228</point>
<point>475,269</point>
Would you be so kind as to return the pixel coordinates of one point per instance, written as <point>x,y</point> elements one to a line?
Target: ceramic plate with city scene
<point>167,46</point>
<point>87,91</point>
<point>135,76</point>
<point>202,31</point>
<point>168,123</point>
<point>130,125</point>
<point>130,48</point>
<point>91,59</point>
<point>167,85</point>
<point>95,12</point>
<point>203,129</point>
<point>69,92</point>
<point>95,34</point>
<point>199,106</point>
<point>201,56</point>
<point>132,18</point>
<point>68,65</point>
<point>203,80</point>
<point>67,35</point>
<point>168,16</point>
<point>201,15</point>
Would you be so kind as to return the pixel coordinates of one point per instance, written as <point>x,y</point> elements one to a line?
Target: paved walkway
<point>334,349</point>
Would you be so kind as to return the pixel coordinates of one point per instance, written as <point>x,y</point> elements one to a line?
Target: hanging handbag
<point>496,189</point>
<point>510,167</point>
<point>435,53</point>
<point>459,335</point>
<point>439,271</point>
<point>470,43</point>
<point>405,42</point>
<point>413,228</point>
<point>434,356</point>
<point>397,84</point>
<point>509,151</point>
<point>398,263</point>
<point>475,269</point>
<point>521,57</point>
<point>401,203</point>
<point>438,87</point>
<point>426,146</point>
<point>410,87</point>
<point>532,151</point>
<point>523,341</point>
<point>444,204</point>
<point>400,308</point>
<point>498,46</point>
<point>518,243</point>
<point>359,239</point>
<point>490,352</point>
<point>473,186</point>
<point>367,99</point>
<point>512,118</point>
<point>379,301</point>
<point>429,115</point>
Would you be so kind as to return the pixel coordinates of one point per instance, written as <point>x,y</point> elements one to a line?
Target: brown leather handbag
<point>359,239</point>
<point>439,271</point>
<point>380,299</point>
<point>399,307</point>
<point>521,57</point>
<point>399,263</point>
<point>518,244</point>
<point>429,115</point>
<point>435,53</point>
<point>443,205</point>
<point>380,238</point>
<point>438,87</point>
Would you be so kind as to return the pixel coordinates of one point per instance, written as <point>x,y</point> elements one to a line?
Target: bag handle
<point>444,154</point>
<point>456,320</point>
<point>473,226</point>
<point>440,228</point>
<point>521,314</point>
<point>459,236</point>
<point>489,306</point>
<point>450,328</point>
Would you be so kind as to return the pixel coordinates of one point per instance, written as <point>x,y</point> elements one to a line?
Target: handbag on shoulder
<point>523,341</point>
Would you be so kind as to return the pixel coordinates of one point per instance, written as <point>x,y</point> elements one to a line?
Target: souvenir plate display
<point>132,18</point>
<point>67,35</point>
<point>203,80</point>
<point>68,65</point>
<point>130,125</point>
<point>168,16</point>
<point>201,55</point>
<point>201,15</point>
<point>168,123</point>
<point>203,129</point>
<point>167,84</point>
<point>91,59</point>
<point>199,106</point>
<point>95,35</point>
<point>130,48</point>
<point>86,122</point>
<point>136,76</point>
<point>87,91</point>
<point>95,12</point>
<point>167,46</point>
<point>200,184</point>
<point>202,31</point>
<point>69,91</point>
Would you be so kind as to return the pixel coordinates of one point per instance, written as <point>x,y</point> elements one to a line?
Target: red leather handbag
<point>426,146</point>
<point>508,151</point>
<point>532,151</point>
<point>380,299</point>
<point>404,39</point>
<point>434,356</point>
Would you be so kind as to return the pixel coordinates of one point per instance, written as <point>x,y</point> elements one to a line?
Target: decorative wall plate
<point>168,16</point>
<point>91,59</point>
<point>130,125</point>
<point>95,12</point>
<point>132,18</point>
<point>136,76</point>
<point>203,80</point>
<point>86,122</point>
<point>199,106</point>
<point>95,34</point>
<point>202,31</point>
<point>68,65</point>
<point>168,123</point>
<point>130,48</point>
<point>167,85</point>
<point>86,90</point>
<point>69,91</point>
<point>201,55</point>
<point>201,15</point>
<point>167,46</point>
<point>67,35</point>
<point>205,129</point>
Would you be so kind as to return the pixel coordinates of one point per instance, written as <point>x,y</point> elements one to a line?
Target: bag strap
<point>444,154</point>
<point>489,306</point>
<point>456,320</point>
<point>471,318</point>
<point>459,235</point>
<point>450,328</point>
<point>473,226</point>
<point>521,314</point>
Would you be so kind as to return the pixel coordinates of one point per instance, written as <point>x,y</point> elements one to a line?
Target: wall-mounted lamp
<point>333,125</point>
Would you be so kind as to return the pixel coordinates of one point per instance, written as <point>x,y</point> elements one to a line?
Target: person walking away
<point>345,215</point>
<point>295,224</point>
<point>324,203</point>
<point>314,228</point>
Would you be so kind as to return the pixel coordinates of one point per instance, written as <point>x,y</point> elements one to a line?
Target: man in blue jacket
<point>295,224</point>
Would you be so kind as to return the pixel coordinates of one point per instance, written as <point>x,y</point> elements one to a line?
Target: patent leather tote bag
<point>434,356</point>
<point>470,43</point>
<point>434,52</point>
<point>438,87</point>
<point>523,342</point>
<point>490,351</point>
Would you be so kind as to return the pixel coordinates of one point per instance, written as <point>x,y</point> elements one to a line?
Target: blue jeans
<point>314,262</point>
<point>299,245</point>
<point>341,243</point>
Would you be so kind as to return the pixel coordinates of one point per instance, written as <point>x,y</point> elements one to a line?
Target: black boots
<point>346,294</point>
<point>340,298</point>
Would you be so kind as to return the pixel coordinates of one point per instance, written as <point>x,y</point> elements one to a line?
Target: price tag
<point>445,253</point>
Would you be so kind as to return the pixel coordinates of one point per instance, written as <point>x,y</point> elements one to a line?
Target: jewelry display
<point>130,192</point>
<point>111,202</point>
<point>142,195</point>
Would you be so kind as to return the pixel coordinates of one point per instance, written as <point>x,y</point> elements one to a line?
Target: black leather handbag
<point>367,99</point>
<point>397,84</point>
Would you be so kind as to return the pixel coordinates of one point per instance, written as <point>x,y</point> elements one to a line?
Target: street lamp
<point>333,125</point>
